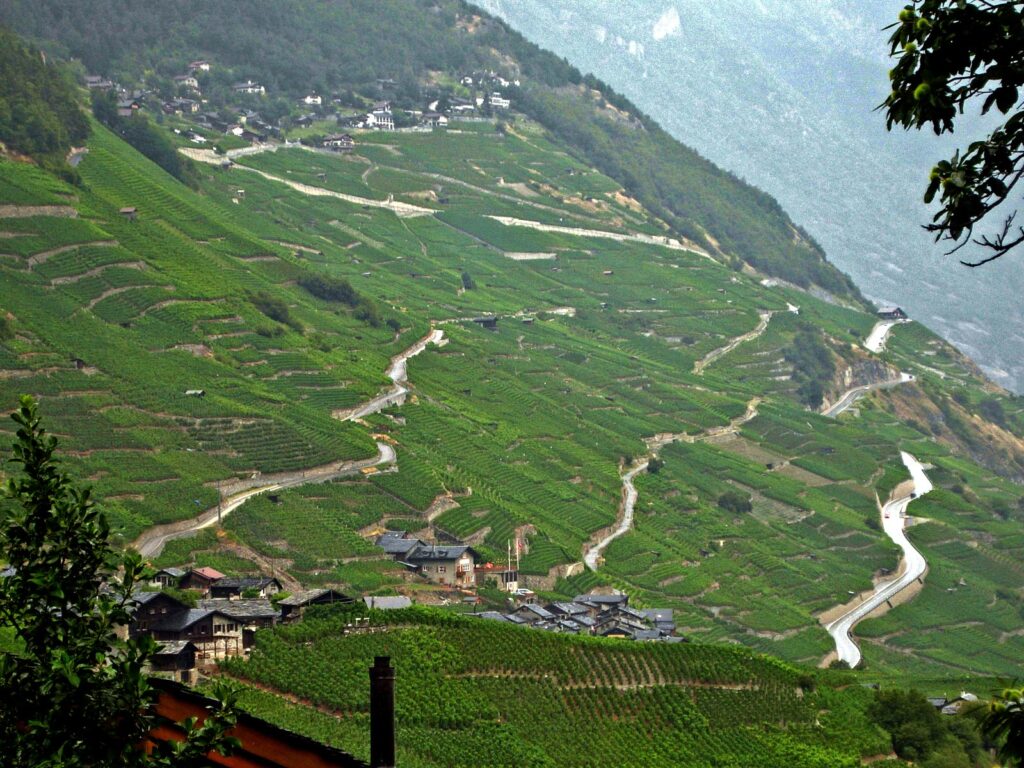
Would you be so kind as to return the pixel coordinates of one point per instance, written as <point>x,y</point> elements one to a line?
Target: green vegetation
<point>735,502</point>
<point>812,363</point>
<point>39,111</point>
<point>923,736</point>
<point>293,47</point>
<point>147,138</point>
<point>471,691</point>
<point>82,699</point>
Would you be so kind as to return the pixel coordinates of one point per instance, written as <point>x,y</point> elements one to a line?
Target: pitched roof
<point>387,603</point>
<point>176,572</point>
<point>145,596</point>
<point>602,599</point>
<point>246,582</point>
<point>178,622</point>
<point>537,610</point>
<point>305,597</point>
<point>435,552</point>
<point>172,647</point>
<point>207,573</point>
<point>493,615</point>
<point>569,609</point>
<point>395,543</point>
<point>241,609</point>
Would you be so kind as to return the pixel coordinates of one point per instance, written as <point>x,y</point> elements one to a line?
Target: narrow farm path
<point>622,237</point>
<point>912,566</point>
<point>151,543</point>
<point>715,354</point>
<point>399,208</point>
<point>593,555</point>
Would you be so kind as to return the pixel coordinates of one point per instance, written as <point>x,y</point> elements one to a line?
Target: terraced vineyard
<point>473,692</point>
<point>520,431</point>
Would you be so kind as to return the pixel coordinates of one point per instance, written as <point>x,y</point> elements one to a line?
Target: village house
<point>215,634</point>
<point>380,120</point>
<point>186,81</point>
<point>445,564</point>
<point>449,564</point>
<point>434,120</point>
<point>152,608</point>
<point>175,659</point>
<point>293,606</point>
<point>533,614</point>
<point>312,100</point>
<point>339,142</point>
<point>200,579</point>
<point>167,577</point>
<point>892,313</point>
<point>257,586</point>
<point>128,107</point>
<point>199,66</point>
<point>499,102</point>
<point>96,82</point>
<point>249,87</point>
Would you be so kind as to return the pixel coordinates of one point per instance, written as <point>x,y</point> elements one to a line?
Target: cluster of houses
<point>597,615</point>
<point>223,621</point>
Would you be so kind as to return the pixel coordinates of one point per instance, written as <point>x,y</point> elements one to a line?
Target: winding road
<point>151,543</point>
<point>875,341</point>
<point>592,557</point>
<point>629,497</point>
<point>710,357</point>
<point>856,393</point>
<point>912,566</point>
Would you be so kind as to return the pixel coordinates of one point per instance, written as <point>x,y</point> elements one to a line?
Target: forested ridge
<point>295,47</point>
<point>39,112</point>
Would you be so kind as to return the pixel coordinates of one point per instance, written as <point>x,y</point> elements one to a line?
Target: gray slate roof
<point>305,597</point>
<point>172,647</point>
<point>241,609</point>
<point>387,603</point>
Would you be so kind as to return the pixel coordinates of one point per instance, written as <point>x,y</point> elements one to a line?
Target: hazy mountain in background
<point>782,92</point>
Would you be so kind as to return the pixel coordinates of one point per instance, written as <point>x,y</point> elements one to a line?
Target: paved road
<point>399,375</point>
<point>151,542</point>
<point>912,567</point>
<point>855,394</point>
<point>593,555</point>
<point>876,339</point>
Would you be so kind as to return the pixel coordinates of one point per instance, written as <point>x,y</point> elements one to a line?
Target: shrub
<point>736,502</point>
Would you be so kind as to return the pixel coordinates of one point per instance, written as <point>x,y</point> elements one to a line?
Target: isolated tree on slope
<point>73,692</point>
<point>954,54</point>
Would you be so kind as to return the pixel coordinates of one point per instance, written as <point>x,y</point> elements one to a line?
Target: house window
<point>202,630</point>
<point>441,569</point>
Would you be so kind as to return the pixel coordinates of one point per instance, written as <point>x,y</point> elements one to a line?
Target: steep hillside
<point>605,349</point>
<point>474,692</point>
<point>256,332</point>
<point>783,93</point>
<point>297,47</point>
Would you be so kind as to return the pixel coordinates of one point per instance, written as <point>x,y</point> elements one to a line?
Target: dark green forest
<point>39,111</point>
<point>297,46</point>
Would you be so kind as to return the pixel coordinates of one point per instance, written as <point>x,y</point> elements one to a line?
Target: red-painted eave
<point>263,745</point>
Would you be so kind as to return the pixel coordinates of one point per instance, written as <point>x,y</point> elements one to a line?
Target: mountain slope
<point>297,47</point>
<point>783,94</point>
